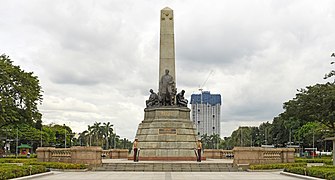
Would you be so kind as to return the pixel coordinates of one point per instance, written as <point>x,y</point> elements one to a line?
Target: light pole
<point>41,138</point>
<point>201,114</point>
<point>17,141</point>
<point>65,137</point>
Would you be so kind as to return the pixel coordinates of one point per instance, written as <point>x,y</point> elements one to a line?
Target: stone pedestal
<point>166,133</point>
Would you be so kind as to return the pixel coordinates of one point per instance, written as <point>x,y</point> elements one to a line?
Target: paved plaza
<point>167,175</point>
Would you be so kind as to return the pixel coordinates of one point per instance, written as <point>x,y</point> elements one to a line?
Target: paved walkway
<point>167,175</point>
<point>206,161</point>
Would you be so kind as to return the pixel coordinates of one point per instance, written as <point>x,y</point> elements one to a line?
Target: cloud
<point>97,60</point>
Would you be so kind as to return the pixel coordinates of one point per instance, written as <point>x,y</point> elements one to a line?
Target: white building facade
<point>206,112</point>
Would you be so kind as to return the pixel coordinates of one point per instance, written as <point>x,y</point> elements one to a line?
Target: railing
<point>75,154</point>
<point>115,153</point>
<point>218,154</point>
<point>260,155</point>
<point>272,155</point>
<point>60,153</point>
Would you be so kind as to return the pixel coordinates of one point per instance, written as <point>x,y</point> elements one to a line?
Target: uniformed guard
<point>199,148</point>
<point>135,145</point>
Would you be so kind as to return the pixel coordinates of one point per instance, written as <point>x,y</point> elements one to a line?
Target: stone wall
<point>77,154</point>
<point>259,155</point>
<point>116,153</point>
<point>218,154</point>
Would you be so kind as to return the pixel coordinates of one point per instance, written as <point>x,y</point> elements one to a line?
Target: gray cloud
<point>97,59</point>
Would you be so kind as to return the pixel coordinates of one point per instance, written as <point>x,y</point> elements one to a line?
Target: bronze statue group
<point>167,95</point>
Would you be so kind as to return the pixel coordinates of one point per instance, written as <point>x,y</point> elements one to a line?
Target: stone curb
<point>300,176</point>
<point>265,170</point>
<point>34,176</point>
<point>69,170</point>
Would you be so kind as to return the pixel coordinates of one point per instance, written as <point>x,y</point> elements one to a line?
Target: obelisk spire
<point>166,48</point>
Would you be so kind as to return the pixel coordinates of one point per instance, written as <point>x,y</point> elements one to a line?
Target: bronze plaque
<point>167,131</point>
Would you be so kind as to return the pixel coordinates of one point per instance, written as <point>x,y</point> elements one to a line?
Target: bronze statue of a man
<point>167,88</point>
<point>153,99</point>
<point>181,101</point>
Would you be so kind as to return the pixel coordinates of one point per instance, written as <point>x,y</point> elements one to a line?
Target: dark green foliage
<point>59,165</point>
<point>210,142</point>
<point>316,160</point>
<point>20,94</point>
<point>31,166</point>
<point>8,171</point>
<point>276,166</point>
<point>325,172</point>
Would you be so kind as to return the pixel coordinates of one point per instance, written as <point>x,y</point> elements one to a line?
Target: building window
<point>198,133</point>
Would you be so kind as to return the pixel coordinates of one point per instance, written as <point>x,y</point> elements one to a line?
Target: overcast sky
<point>97,60</point>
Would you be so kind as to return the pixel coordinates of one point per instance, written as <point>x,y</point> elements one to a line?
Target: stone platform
<point>167,133</point>
<point>210,165</point>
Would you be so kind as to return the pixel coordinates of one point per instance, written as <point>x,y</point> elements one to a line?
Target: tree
<point>314,104</point>
<point>20,94</point>
<point>107,131</point>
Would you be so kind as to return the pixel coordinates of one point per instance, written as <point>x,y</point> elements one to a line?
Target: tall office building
<point>206,108</point>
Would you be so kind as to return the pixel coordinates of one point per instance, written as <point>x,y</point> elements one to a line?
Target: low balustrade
<point>115,153</point>
<point>260,155</point>
<point>218,154</point>
<point>76,154</point>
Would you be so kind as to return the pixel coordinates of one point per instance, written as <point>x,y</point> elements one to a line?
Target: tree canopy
<point>20,93</point>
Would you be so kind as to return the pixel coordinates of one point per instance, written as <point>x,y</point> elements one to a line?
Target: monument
<point>166,133</point>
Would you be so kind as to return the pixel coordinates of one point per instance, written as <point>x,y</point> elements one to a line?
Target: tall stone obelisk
<point>166,50</point>
<point>167,132</point>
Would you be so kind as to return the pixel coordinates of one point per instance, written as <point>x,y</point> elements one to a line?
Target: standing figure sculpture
<point>167,89</point>
<point>181,101</point>
<point>153,99</point>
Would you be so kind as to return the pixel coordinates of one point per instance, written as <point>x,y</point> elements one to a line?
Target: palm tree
<point>96,129</point>
<point>83,137</point>
<point>215,139</point>
<point>107,130</point>
<point>90,134</point>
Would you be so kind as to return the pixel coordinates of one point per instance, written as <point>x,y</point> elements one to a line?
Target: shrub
<point>276,166</point>
<point>325,161</point>
<point>326,172</point>
<point>60,165</point>
<point>10,160</point>
<point>8,171</point>
<point>296,170</point>
<point>21,156</point>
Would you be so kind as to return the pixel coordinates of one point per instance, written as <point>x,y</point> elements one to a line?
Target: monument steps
<point>168,167</point>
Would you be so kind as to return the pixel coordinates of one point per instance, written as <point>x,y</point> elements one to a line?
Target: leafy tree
<point>310,133</point>
<point>20,94</point>
<point>314,104</point>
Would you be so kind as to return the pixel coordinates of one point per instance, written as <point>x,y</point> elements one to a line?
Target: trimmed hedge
<point>54,165</point>
<point>8,171</point>
<point>31,166</point>
<point>275,166</point>
<point>60,165</point>
<point>325,161</point>
<point>325,172</point>
<point>10,160</point>
<point>21,156</point>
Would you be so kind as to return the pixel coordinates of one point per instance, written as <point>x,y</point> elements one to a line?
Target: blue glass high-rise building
<point>206,108</point>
